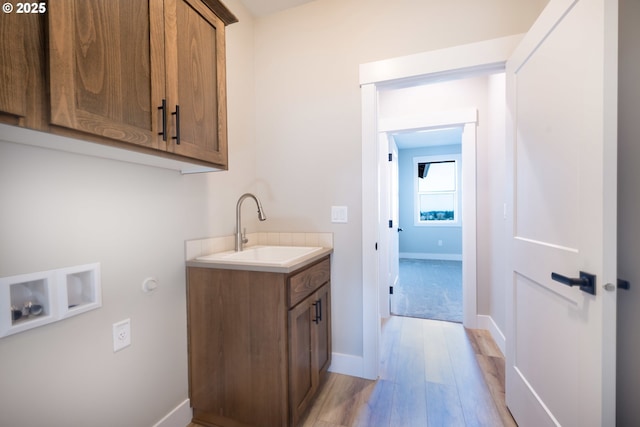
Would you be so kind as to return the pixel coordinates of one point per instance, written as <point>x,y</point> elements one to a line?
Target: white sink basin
<point>271,255</point>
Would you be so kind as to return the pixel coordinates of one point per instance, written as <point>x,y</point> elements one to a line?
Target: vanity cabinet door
<point>303,377</point>
<point>22,59</point>
<point>309,349</point>
<point>106,68</point>
<point>196,76</point>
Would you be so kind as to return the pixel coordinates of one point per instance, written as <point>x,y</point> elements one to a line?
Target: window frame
<point>457,193</point>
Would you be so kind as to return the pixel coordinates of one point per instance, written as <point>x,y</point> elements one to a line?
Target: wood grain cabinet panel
<point>196,62</point>
<point>107,72</point>
<point>22,59</point>
<point>253,359</point>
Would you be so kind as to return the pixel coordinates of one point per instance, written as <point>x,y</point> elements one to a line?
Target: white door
<point>388,221</point>
<point>561,93</point>
<point>385,243</point>
<point>394,207</point>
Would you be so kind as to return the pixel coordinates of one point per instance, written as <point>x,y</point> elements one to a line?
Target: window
<point>437,197</point>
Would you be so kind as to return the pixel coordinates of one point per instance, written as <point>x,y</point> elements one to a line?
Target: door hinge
<point>390,223</point>
<point>390,157</point>
<point>391,290</point>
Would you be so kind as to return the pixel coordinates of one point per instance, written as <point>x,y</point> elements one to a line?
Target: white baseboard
<point>180,416</point>
<point>486,322</point>
<point>439,257</point>
<point>347,364</point>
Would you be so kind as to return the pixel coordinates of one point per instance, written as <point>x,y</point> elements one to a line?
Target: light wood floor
<point>434,374</point>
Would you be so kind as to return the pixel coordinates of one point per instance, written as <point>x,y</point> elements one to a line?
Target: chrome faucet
<point>241,238</point>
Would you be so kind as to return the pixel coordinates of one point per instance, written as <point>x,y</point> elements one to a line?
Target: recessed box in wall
<point>35,299</point>
<point>80,289</point>
<point>27,301</point>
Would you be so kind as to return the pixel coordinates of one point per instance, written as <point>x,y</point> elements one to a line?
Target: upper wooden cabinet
<point>195,62</point>
<point>142,73</point>
<point>22,59</point>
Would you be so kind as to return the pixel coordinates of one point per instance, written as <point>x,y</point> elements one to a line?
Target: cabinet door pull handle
<point>320,310</point>
<point>177,114</point>
<point>163,108</point>
<point>316,305</point>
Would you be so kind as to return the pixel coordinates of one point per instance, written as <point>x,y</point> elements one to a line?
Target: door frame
<point>457,62</point>
<point>467,119</point>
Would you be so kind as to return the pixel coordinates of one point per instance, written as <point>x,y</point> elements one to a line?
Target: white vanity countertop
<point>231,260</point>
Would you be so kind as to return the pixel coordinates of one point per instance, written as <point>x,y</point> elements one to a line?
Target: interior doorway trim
<point>466,119</point>
<point>445,64</point>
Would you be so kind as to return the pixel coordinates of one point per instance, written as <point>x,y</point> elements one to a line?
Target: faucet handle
<point>244,235</point>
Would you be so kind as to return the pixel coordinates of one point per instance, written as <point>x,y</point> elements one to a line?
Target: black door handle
<point>586,281</point>
<point>163,108</point>
<point>399,229</point>
<point>624,284</point>
<point>177,114</point>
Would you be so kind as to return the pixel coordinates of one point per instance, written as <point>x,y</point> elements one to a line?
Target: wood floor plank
<point>389,347</point>
<point>493,371</point>
<point>347,395</point>
<point>377,410</point>
<point>316,409</point>
<point>409,408</point>
<point>443,406</point>
<point>483,343</point>
<point>477,402</point>
<point>437,361</point>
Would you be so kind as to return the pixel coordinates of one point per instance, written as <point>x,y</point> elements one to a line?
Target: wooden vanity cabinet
<point>259,343</point>
<point>22,67</point>
<point>148,73</point>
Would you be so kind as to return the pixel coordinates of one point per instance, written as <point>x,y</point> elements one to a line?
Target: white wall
<point>59,209</point>
<point>308,124</point>
<point>628,378</point>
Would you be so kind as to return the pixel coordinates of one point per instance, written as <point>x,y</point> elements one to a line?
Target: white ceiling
<point>265,7</point>
<point>428,138</point>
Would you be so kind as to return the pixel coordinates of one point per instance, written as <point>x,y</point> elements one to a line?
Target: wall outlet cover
<point>121,335</point>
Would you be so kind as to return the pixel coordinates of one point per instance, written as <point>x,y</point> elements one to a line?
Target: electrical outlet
<point>121,335</point>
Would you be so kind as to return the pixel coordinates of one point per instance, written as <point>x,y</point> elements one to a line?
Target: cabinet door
<point>196,75</point>
<point>107,68</point>
<point>323,329</point>
<point>303,377</point>
<point>22,66</point>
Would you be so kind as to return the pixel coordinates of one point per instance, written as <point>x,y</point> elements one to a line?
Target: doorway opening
<point>478,59</point>
<point>429,284</point>
<point>430,231</point>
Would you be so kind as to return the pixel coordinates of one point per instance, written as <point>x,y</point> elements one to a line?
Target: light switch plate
<point>339,214</point>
